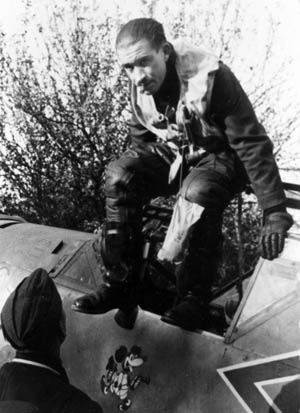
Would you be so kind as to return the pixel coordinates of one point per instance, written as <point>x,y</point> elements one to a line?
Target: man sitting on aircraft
<point>33,322</point>
<point>174,85</point>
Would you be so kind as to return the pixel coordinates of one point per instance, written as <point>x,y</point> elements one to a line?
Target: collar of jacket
<point>48,361</point>
<point>193,64</point>
<point>168,94</point>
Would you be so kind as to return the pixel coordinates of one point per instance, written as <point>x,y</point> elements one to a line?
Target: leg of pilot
<point>131,182</point>
<point>211,184</point>
<point>138,175</point>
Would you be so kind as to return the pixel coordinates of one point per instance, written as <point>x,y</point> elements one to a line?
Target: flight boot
<point>109,296</point>
<point>191,309</point>
<point>195,276</point>
<point>190,313</point>
<point>119,287</point>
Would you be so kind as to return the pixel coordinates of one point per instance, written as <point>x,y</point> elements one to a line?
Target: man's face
<point>144,65</point>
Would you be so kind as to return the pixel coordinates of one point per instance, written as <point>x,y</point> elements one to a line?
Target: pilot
<point>33,322</point>
<point>174,85</point>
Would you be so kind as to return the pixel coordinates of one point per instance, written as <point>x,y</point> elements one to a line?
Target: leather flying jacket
<point>211,91</point>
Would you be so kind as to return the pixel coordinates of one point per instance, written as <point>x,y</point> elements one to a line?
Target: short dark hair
<point>143,28</point>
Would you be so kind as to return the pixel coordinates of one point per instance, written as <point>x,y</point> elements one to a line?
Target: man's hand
<point>273,234</point>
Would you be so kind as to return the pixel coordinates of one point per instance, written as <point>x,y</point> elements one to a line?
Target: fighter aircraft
<point>247,360</point>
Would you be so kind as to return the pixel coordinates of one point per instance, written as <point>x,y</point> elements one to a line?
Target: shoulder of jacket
<point>191,59</point>
<point>78,401</point>
<point>224,77</point>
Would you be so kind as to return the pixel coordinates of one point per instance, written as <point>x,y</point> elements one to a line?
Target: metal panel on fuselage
<point>180,371</point>
<point>181,365</point>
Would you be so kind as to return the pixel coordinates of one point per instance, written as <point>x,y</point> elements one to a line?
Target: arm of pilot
<point>231,106</point>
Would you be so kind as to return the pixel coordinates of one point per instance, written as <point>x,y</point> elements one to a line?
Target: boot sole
<point>87,311</point>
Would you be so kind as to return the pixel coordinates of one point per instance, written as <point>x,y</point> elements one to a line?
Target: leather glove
<point>275,227</point>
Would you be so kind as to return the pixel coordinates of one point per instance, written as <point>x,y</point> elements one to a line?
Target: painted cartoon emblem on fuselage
<point>120,377</point>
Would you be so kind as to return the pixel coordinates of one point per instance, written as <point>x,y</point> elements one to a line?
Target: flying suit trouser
<point>142,173</point>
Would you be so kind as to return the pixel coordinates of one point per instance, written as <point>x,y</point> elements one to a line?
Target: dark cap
<point>32,313</point>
